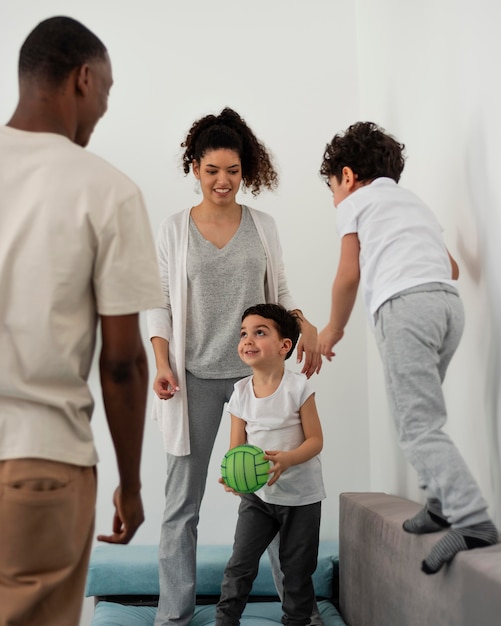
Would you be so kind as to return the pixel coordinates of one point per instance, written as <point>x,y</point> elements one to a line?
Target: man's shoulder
<point>102,168</point>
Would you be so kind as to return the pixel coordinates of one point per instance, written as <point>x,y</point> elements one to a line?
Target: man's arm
<point>124,380</point>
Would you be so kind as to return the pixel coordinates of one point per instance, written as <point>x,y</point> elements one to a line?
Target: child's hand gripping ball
<point>245,469</point>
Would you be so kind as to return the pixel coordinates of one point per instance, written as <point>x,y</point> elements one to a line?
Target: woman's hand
<point>307,347</point>
<point>165,384</point>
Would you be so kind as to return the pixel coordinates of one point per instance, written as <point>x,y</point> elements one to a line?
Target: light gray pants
<point>184,490</point>
<point>417,333</point>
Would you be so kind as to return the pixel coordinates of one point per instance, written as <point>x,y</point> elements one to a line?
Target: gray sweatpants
<point>184,490</point>
<point>417,333</point>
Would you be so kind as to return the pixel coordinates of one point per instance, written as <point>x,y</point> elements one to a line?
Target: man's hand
<point>129,515</point>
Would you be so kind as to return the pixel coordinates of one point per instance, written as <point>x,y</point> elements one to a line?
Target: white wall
<point>299,72</point>
<point>273,62</point>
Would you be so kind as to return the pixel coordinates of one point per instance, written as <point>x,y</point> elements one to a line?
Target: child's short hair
<point>286,322</point>
<point>367,149</point>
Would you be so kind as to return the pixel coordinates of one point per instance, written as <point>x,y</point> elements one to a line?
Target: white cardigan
<point>169,322</point>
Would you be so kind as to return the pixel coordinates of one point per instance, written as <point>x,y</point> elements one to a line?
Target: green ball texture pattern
<point>245,469</point>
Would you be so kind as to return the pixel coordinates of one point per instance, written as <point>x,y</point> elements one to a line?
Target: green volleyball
<point>245,469</point>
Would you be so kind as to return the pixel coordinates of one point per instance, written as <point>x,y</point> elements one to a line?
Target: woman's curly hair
<point>367,149</point>
<point>229,131</point>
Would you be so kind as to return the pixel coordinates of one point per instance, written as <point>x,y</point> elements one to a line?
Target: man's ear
<point>82,79</point>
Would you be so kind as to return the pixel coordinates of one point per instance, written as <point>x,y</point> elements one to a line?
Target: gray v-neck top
<point>222,283</point>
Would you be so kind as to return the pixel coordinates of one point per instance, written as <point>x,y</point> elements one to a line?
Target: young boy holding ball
<point>392,242</point>
<point>275,410</point>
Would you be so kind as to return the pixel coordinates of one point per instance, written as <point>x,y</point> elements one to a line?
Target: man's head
<point>62,58</point>
<point>284,322</point>
<point>366,152</point>
<point>56,47</point>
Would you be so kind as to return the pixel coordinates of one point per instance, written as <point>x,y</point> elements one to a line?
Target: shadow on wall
<point>482,263</point>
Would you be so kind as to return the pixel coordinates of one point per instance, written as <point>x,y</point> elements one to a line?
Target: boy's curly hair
<point>367,149</point>
<point>229,131</point>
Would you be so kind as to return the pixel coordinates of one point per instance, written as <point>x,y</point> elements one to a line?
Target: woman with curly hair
<point>216,259</point>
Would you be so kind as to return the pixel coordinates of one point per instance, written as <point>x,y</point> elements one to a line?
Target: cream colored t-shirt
<point>75,242</point>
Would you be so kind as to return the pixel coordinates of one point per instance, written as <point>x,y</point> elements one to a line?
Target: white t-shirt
<point>274,423</point>
<point>75,242</point>
<point>401,244</point>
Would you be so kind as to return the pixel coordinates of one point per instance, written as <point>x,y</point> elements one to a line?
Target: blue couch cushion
<point>116,570</point>
<point>255,614</point>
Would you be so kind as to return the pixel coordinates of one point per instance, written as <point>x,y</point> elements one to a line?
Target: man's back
<point>65,215</point>
<point>75,247</point>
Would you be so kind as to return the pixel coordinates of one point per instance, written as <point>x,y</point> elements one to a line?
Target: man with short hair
<point>75,248</point>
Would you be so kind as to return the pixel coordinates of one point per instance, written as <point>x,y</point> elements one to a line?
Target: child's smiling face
<point>260,341</point>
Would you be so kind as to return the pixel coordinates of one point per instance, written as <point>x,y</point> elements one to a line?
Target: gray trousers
<point>417,333</point>
<point>278,579</point>
<point>258,523</point>
<point>184,490</point>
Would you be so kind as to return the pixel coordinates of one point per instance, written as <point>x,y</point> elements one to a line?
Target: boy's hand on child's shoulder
<point>281,462</point>
<point>327,339</point>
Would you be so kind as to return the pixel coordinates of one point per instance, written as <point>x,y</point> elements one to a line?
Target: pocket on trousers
<point>37,515</point>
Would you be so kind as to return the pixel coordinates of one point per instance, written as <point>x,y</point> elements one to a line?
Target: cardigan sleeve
<point>159,320</point>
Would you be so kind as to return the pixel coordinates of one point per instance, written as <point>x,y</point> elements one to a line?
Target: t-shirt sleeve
<point>346,218</point>
<point>241,398</point>
<point>126,274</point>
<point>234,403</point>
<point>306,390</point>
